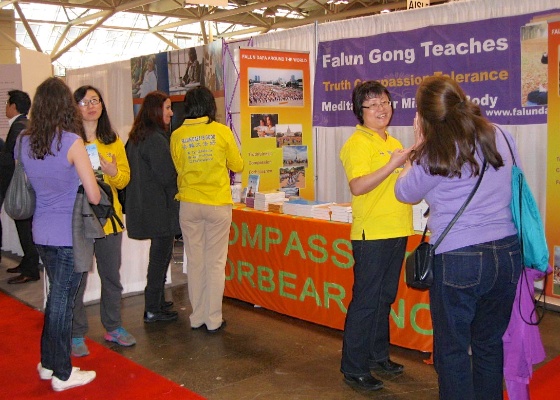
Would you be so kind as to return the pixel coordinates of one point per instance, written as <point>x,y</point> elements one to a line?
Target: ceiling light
<point>196,3</point>
<point>269,13</point>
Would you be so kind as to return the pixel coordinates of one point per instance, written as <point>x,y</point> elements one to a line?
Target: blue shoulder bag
<point>527,219</point>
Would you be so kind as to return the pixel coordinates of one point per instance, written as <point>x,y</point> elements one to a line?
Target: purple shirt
<point>56,182</point>
<point>488,215</point>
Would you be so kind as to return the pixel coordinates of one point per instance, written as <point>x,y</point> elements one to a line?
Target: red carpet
<point>544,383</point>
<point>117,377</point>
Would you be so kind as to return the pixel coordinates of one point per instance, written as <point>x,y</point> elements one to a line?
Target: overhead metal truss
<point>172,22</point>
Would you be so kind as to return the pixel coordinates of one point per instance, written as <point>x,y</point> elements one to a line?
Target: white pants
<point>205,231</point>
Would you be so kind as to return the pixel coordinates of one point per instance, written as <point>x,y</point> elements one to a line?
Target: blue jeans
<point>471,302</point>
<point>57,328</point>
<point>377,268</point>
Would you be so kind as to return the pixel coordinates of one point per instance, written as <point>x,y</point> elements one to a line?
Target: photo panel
<point>292,177</point>
<point>275,87</point>
<point>288,135</point>
<point>534,64</point>
<point>263,125</point>
<point>295,156</point>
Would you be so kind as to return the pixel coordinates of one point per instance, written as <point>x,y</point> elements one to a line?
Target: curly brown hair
<point>53,110</point>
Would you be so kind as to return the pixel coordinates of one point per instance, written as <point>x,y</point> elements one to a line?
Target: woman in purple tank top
<point>56,161</point>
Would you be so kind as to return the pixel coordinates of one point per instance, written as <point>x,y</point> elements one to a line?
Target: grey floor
<point>259,355</point>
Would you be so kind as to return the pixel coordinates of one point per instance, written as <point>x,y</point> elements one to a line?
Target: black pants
<point>161,250</point>
<point>30,262</point>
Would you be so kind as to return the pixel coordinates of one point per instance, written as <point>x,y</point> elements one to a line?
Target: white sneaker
<point>77,378</point>
<point>44,373</point>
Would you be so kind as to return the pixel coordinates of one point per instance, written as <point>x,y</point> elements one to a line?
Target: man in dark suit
<point>17,107</point>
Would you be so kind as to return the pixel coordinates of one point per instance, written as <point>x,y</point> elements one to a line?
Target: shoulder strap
<point>456,217</point>
<point>509,145</point>
<point>19,151</point>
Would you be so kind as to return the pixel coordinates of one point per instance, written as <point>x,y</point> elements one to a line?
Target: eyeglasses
<point>85,103</point>
<point>377,106</point>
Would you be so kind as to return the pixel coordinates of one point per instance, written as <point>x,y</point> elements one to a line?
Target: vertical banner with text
<point>276,131</point>
<point>553,154</point>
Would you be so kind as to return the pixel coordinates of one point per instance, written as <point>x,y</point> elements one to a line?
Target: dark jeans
<point>161,250</point>
<point>30,261</point>
<point>57,328</point>
<point>377,268</point>
<point>108,256</point>
<point>470,302</point>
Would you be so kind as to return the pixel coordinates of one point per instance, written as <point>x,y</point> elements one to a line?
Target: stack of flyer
<point>263,199</point>
<point>276,207</point>
<point>418,219</point>
<point>322,211</point>
<point>341,212</point>
<point>301,207</point>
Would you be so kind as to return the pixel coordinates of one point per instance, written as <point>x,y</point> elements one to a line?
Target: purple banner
<point>500,64</point>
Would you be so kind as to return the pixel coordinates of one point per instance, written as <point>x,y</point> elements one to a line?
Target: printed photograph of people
<point>275,87</point>
<point>292,177</point>
<point>144,75</point>
<point>263,125</point>
<point>184,69</point>
<point>294,156</point>
<point>288,135</point>
<point>212,66</point>
<point>534,64</point>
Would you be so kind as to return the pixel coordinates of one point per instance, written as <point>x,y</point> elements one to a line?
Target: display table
<point>302,267</point>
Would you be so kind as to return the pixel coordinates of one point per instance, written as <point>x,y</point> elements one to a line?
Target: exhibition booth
<point>300,266</point>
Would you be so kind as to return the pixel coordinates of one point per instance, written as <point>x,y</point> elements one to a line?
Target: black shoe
<point>367,382</point>
<point>15,270</point>
<point>195,328</point>
<point>22,279</point>
<point>160,316</point>
<point>387,366</point>
<point>219,328</point>
<point>166,305</point>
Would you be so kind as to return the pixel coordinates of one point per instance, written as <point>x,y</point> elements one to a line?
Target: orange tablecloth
<point>302,267</point>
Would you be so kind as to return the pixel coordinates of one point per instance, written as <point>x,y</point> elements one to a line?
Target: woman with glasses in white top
<point>381,225</point>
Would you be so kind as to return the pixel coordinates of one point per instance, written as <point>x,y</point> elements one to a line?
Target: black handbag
<point>20,199</point>
<point>419,265</point>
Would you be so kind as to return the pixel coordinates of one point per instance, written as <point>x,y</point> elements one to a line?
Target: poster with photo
<point>193,67</point>
<point>275,116</point>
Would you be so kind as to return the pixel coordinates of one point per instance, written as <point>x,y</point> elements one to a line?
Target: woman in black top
<point>151,211</point>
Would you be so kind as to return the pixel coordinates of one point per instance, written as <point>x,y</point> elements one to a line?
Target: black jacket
<point>7,163</point>
<point>151,208</point>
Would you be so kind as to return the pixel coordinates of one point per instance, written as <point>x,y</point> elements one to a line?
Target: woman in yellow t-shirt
<point>114,170</point>
<point>204,151</point>
<point>381,225</point>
